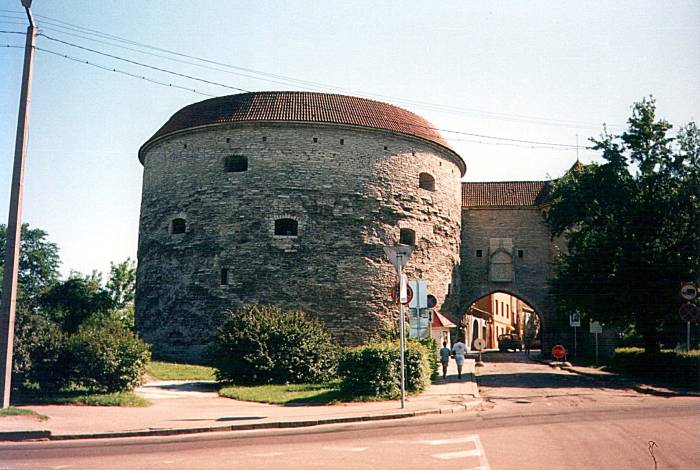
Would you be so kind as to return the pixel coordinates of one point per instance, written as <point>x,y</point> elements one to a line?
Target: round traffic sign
<point>432,301</point>
<point>689,291</point>
<point>395,295</point>
<point>479,344</point>
<point>689,312</point>
<point>558,351</point>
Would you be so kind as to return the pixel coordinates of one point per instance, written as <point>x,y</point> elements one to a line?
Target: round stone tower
<point>288,198</point>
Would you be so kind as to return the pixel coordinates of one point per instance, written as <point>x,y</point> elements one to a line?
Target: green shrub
<point>431,347</point>
<point>265,344</point>
<point>106,356</point>
<point>679,367</point>
<point>39,359</point>
<point>374,369</point>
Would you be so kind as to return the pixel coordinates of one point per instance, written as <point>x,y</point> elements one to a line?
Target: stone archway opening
<point>507,323</point>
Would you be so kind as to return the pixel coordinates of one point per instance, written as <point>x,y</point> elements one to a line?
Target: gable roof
<point>505,193</point>
<point>440,321</point>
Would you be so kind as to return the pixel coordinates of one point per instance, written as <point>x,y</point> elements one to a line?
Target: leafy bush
<point>374,369</point>
<point>39,358</point>
<point>670,365</point>
<point>106,356</point>
<point>431,347</point>
<point>265,344</point>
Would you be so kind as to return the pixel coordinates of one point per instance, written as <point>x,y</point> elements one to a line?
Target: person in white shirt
<point>458,350</point>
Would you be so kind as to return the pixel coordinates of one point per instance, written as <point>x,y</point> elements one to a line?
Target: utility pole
<point>14,219</point>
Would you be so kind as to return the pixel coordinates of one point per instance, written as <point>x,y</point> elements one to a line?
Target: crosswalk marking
<point>346,449</point>
<point>456,440</point>
<point>458,455</point>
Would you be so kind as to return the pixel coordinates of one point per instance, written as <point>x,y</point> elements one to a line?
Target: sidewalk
<point>185,407</point>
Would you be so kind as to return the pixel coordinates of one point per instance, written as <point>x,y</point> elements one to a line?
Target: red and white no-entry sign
<point>558,351</point>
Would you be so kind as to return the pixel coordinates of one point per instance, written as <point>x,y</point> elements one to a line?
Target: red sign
<point>558,351</point>
<point>689,312</point>
<point>395,294</point>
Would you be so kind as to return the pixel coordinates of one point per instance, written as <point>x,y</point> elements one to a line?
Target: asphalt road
<point>536,426</point>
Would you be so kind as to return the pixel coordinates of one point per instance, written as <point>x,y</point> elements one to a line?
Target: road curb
<point>48,435</point>
<point>621,380</point>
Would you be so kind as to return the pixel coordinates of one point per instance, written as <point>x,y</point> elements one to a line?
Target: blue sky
<point>535,71</point>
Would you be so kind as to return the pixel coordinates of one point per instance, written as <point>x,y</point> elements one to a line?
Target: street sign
<point>689,312</point>
<point>420,293</point>
<point>395,294</point>
<point>431,300</point>
<point>575,319</point>
<point>398,255</point>
<point>558,351</point>
<point>596,327</point>
<point>689,291</point>
<point>479,344</point>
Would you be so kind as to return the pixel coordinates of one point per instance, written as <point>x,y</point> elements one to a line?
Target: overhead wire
<point>500,140</point>
<point>123,72</point>
<point>541,144</point>
<point>275,78</point>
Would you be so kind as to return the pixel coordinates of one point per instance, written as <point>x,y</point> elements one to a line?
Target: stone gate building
<point>289,197</point>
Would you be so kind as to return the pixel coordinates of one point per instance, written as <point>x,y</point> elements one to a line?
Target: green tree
<point>122,283</point>
<point>69,303</point>
<point>38,262</point>
<point>631,224</point>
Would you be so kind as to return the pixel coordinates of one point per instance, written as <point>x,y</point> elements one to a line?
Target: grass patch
<point>293,394</point>
<point>175,371</point>
<point>285,394</point>
<point>12,411</point>
<point>84,397</point>
<point>669,365</point>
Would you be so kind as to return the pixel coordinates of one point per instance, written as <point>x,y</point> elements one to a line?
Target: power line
<point>123,72</point>
<point>210,82</point>
<point>141,64</point>
<point>275,78</point>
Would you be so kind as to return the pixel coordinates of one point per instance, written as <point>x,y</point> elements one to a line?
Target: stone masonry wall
<point>530,233</point>
<point>350,189</point>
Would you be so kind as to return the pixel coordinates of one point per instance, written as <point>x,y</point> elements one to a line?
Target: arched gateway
<point>506,245</point>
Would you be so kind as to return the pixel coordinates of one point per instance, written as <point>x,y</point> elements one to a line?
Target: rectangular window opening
<point>264,139</point>
<point>520,253</point>
<point>342,141</point>
<point>224,276</point>
<point>479,253</point>
<point>315,140</point>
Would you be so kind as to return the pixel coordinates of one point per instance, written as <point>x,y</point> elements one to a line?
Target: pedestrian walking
<point>445,354</point>
<point>458,351</point>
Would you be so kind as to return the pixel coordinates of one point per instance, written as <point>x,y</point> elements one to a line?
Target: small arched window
<point>178,226</point>
<point>235,163</point>
<point>286,227</point>
<point>426,181</point>
<point>407,237</point>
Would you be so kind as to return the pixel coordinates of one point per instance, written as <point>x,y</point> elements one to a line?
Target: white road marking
<point>456,440</point>
<point>482,454</point>
<point>462,454</point>
<point>346,449</point>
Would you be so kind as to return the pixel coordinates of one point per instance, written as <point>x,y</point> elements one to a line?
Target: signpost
<point>575,322</point>
<point>479,345</point>
<point>689,311</point>
<point>596,328</point>
<point>398,255</point>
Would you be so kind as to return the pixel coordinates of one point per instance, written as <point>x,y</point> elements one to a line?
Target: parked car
<point>510,342</point>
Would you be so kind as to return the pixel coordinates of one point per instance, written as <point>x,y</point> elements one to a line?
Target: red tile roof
<point>440,321</point>
<point>505,194</point>
<point>299,106</point>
